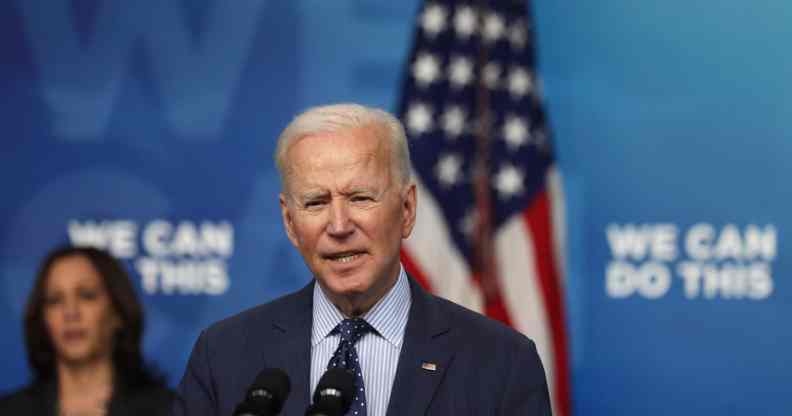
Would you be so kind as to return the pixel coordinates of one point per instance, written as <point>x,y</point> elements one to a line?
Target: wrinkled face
<point>78,312</point>
<point>347,214</point>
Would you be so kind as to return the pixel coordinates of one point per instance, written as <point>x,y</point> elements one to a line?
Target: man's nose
<point>340,224</point>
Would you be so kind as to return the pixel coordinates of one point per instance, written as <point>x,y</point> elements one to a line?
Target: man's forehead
<point>306,188</point>
<point>316,152</point>
<point>312,157</point>
<point>338,156</point>
<point>370,136</point>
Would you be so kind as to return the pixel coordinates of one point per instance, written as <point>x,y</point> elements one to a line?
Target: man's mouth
<point>346,257</point>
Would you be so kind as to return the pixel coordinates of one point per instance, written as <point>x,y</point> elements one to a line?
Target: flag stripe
<point>538,224</point>
<point>414,270</point>
<point>523,290</point>
<point>436,258</point>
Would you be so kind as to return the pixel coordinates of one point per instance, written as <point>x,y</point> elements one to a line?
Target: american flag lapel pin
<point>429,366</point>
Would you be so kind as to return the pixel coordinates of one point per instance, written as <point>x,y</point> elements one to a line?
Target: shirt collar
<point>388,316</point>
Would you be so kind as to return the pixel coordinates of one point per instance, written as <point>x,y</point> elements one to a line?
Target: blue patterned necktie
<point>351,330</point>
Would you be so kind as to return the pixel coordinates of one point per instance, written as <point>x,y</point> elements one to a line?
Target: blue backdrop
<point>148,127</point>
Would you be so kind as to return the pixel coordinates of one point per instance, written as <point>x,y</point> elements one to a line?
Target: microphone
<point>266,395</point>
<point>333,394</point>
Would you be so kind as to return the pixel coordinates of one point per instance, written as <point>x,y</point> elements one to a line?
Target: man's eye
<point>361,198</point>
<point>313,204</point>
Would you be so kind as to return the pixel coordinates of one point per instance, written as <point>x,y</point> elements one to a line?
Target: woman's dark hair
<point>129,366</point>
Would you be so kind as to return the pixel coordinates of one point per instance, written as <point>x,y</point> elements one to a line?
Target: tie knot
<point>351,330</point>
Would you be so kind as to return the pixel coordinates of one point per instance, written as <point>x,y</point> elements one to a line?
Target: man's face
<point>347,214</point>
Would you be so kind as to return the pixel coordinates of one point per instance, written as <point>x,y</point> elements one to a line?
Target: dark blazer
<point>482,366</point>
<point>41,399</point>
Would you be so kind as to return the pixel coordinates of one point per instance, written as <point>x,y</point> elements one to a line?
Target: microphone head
<point>267,393</point>
<point>334,393</point>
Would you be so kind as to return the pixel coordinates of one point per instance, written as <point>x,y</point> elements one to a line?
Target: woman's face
<point>78,313</point>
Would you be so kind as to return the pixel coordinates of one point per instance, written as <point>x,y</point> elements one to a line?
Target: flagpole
<point>483,239</point>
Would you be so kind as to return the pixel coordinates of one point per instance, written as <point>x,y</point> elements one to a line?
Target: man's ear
<point>286,215</point>
<point>409,206</point>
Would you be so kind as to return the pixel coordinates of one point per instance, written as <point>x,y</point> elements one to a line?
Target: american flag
<point>483,161</point>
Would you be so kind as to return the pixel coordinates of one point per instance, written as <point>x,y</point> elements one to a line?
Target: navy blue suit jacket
<point>482,366</point>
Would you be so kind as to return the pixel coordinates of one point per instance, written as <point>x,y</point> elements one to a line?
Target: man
<point>347,202</point>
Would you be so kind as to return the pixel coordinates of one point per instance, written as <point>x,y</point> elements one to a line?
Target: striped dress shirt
<point>378,352</point>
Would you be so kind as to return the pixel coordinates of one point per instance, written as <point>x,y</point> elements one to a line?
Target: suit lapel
<point>426,354</point>
<point>293,354</point>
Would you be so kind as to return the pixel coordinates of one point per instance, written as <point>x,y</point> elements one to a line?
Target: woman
<point>83,328</point>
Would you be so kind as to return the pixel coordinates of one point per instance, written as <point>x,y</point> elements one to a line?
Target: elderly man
<point>347,202</point>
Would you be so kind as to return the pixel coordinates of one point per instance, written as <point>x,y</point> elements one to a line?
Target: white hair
<point>336,118</point>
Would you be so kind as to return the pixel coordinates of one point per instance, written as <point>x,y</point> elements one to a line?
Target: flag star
<point>460,71</point>
<point>493,27</point>
<point>453,120</point>
<point>426,69</point>
<point>465,22</point>
<point>508,181</point>
<point>518,35</point>
<point>515,132</point>
<point>449,170</point>
<point>433,19</point>
<point>419,118</point>
<point>491,74</point>
<point>519,82</point>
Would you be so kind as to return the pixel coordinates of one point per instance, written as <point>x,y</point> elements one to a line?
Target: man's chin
<point>346,286</point>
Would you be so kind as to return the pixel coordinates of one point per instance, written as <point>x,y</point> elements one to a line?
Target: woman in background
<point>83,329</point>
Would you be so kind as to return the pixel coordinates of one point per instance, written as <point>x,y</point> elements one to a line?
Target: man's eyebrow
<point>311,195</point>
<point>361,189</point>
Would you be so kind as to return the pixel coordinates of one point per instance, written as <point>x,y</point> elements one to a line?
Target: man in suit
<point>347,202</point>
